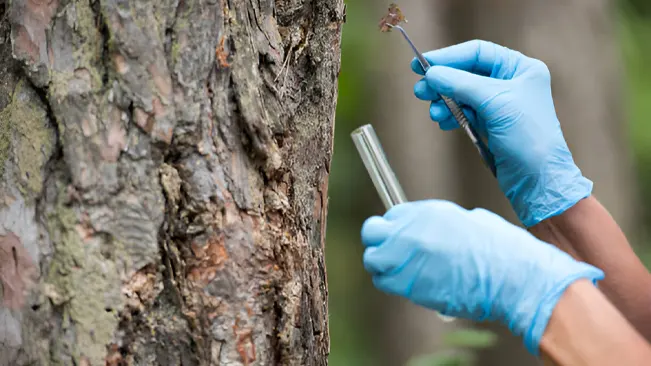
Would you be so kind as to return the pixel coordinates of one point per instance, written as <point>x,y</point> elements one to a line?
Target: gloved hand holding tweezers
<point>454,108</point>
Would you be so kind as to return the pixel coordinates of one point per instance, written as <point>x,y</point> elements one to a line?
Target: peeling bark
<point>165,165</point>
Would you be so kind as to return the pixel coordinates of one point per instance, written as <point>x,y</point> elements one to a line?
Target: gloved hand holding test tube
<point>384,179</point>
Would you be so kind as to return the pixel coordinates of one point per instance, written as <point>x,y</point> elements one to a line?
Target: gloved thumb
<point>375,231</point>
<point>462,86</point>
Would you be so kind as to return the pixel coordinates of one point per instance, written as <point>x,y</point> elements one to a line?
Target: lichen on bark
<point>24,129</point>
<point>178,194</point>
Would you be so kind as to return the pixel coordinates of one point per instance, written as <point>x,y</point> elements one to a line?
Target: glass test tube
<point>378,168</point>
<point>384,179</point>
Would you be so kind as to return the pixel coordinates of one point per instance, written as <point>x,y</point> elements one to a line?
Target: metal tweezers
<point>487,156</point>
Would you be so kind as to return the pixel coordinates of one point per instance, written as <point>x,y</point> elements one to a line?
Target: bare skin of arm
<point>588,233</point>
<point>582,329</point>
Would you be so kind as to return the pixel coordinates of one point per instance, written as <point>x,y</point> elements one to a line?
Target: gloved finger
<point>484,215</point>
<point>480,57</point>
<point>390,285</point>
<point>375,230</point>
<point>406,210</point>
<point>387,257</point>
<point>444,208</point>
<point>467,88</point>
<point>424,92</point>
<point>440,113</point>
<point>400,280</point>
<point>402,210</point>
<point>449,124</point>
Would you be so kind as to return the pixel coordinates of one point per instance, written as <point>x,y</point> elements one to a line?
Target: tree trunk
<point>164,191</point>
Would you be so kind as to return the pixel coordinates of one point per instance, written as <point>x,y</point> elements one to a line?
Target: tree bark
<point>164,191</point>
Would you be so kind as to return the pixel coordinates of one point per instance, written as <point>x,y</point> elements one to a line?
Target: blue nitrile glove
<point>507,96</point>
<point>470,264</point>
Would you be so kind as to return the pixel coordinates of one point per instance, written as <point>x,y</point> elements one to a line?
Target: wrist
<point>570,305</point>
<point>543,313</point>
<point>537,197</point>
<point>552,272</point>
<point>586,329</point>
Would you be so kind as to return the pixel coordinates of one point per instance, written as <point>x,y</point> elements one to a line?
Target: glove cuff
<point>534,333</point>
<point>538,197</point>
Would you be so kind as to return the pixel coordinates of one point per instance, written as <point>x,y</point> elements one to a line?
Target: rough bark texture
<point>164,184</point>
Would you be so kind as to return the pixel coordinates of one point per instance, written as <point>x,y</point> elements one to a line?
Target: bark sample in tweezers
<point>392,18</point>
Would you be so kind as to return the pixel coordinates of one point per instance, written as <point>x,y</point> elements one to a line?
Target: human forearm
<point>589,233</point>
<point>586,329</point>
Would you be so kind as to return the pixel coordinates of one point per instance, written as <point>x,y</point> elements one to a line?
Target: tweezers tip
<point>394,26</point>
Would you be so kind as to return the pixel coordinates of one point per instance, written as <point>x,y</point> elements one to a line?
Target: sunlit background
<point>599,53</point>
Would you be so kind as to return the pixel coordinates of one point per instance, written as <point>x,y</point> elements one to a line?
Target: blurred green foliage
<point>637,8</point>
<point>354,337</point>
<point>634,20</point>
<point>470,338</point>
<point>444,359</point>
<point>460,345</point>
<point>351,336</point>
